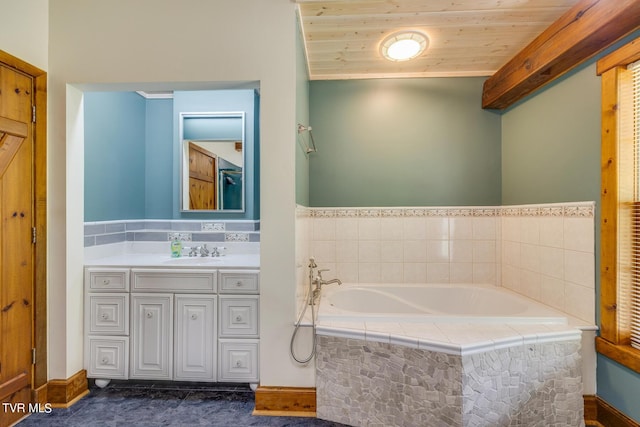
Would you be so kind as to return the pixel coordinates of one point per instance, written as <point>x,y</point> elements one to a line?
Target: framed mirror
<point>213,161</point>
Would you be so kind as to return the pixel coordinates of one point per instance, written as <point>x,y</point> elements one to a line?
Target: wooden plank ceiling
<point>467,37</point>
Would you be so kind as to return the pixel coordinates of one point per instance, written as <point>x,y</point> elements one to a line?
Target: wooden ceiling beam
<point>579,34</point>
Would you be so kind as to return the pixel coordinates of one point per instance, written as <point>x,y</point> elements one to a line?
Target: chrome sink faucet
<point>193,250</point>
<point>217,251</point>
<point>204,251</point>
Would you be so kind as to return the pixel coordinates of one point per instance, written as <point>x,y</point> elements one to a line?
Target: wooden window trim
<point>621,353</point>
<point>613,341</point>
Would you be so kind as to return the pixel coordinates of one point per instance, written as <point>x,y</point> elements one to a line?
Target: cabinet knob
<point>105,316</point>
<point>149,315</point>
<point>238,364</point>
<point>106,282</point>
<point>239,283</point>
<point>194,316</point>
<point>238,318</point>
<point>105,361</point>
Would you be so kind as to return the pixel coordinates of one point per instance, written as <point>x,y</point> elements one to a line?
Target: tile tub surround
<point>548,254</point>
<point>407,245</point>
<point>207,231</point>
<point>564,233</point>
<point>370,383</point>
<point>544,251</point>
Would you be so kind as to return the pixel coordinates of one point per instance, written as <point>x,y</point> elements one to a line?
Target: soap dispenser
<point>176,248</point>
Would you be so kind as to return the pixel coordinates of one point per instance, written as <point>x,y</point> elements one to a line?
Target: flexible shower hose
<point>313,325</point>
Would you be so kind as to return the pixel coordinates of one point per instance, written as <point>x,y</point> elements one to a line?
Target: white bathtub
<point>433,303</point>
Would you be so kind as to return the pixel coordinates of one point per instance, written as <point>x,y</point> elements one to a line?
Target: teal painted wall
<point>302,116</point>
<point>404,142</point>
<point>551,143</point>
<point>211,101</point>
<point>619,386</point>
<point>114,156</point>
<point>159,159</point>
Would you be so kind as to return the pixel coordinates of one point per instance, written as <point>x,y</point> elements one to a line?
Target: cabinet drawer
<point>238,360</point>
<point>239,281</point>
<point>239,316</point>
<point>108,314</point>
<point>106,279</point>
<point>173,280</point>
<point>108,357</point>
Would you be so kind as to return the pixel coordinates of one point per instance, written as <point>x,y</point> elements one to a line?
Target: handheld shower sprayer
<point>309,301</point>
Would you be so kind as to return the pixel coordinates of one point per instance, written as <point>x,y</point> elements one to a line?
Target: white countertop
<point>157,260</point>
<point>153,255</point>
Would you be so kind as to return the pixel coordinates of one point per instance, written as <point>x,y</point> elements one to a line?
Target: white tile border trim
<point>569,209</point>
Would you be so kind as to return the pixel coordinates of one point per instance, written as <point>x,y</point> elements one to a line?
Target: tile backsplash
<point>545,252</point>
<point>106,232</point>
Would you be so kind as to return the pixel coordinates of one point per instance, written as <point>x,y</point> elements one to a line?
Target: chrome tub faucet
<point>318,281</point>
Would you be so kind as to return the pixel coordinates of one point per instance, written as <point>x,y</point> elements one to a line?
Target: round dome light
<point>404,45</point>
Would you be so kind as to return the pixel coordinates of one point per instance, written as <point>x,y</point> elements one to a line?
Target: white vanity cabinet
<point>238,326</point>
<point>183,324</point>
<point>107,322</point>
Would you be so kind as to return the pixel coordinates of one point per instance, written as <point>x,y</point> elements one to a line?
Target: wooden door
<point>17,222</point>
<point>202,178</point>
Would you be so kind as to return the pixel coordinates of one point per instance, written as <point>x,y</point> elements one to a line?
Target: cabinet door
<point>195,338</point>
<point>151,336</point>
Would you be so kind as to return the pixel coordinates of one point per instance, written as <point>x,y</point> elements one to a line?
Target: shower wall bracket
<point>309,148</point>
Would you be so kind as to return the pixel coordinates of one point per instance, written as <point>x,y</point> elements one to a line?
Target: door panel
<point>16,95</point>
<point>202,178</point>
<point>9,146</point>
<point>16,247</point>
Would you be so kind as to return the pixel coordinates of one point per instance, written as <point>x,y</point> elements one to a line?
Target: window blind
<point>632,129</point>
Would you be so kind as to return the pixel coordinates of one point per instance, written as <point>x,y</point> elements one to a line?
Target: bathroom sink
<point>199,261</point>
<point>156,259</point>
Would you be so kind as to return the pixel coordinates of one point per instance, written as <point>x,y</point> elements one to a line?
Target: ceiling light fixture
<point>404,45</point>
